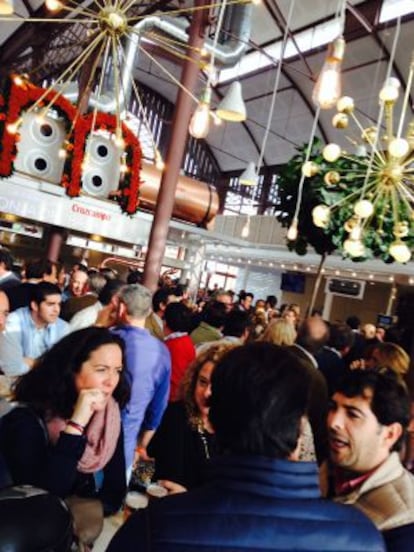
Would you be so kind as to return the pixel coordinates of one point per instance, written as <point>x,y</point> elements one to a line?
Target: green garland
<point>378,234</point>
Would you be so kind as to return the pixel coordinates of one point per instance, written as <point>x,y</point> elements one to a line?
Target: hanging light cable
<point>250,176</point>
<point>307,170</point>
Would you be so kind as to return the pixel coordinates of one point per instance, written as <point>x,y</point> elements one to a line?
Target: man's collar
<point>345,485</point>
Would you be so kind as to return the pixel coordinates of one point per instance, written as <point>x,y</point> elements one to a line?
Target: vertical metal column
<point>176,148</point>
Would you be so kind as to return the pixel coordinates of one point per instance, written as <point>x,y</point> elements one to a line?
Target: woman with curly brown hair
<point>184,441</point>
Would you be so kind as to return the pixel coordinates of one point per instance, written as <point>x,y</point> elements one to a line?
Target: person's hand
<point>107,316</point>
<point>172,487</point>
<point>140,454</point>
<point>89,401</point>
<point>358,364</point>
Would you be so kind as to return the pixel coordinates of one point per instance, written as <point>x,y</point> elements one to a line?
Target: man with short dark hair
<point>177,322</point>
<point>330,358</point>
<point>7,277</point>
<point>245,301</point>
<point>31,331</point>
<point>236,330</point>
<point>368,417</point>
<point>261,496</point>
<point>36,271</point>
<point>210,328</point>
<point>154,322</point>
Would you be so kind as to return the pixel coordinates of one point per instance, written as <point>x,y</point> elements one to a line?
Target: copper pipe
<point>194,201</point>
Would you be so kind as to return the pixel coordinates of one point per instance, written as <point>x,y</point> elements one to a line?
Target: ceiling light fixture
<point>327,90</point>
<point>328,87</point>
<point>232,107</point>
<point>200,121</point>
<point>249,176</point>
<point>6,7</point>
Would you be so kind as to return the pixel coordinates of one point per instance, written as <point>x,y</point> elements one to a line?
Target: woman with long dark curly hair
<point>66,428</point>
<point>184,442</point>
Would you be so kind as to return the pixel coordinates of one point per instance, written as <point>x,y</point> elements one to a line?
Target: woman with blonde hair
<point>279,332</point>
<point>184,442</point>
<point>391,355</point>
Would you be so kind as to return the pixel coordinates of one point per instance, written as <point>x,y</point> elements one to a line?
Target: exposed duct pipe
<point>226,55</point>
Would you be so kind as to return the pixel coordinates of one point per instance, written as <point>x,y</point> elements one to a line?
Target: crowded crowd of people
<point>267,428</point>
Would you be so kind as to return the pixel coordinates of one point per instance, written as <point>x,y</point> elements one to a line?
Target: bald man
<point>313,334</point>
<point>369,331</point>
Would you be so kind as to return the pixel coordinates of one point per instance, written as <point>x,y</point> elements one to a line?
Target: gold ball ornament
<point>354,248</point>
<point>399,251</point>
<point>310,169</point>
<point>331,178</point>
<point>363,208</point>
<point>345,104</point>
<point>331,152</point>
<point>401,229</point>
<point>340,120</point>
<point>389,92</point>
<point>351,223</point>
<point>398,148</point>
<point>369,135</point>
<point>321,215</point>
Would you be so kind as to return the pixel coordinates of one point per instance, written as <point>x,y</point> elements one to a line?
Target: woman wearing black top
<point>184,441</point>
<point>65,434</point>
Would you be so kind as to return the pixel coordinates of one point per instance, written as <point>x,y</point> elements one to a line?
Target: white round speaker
<point>46,130</point>
<point>95,182</point>
<point>101,174</point>
<point>38,148</point>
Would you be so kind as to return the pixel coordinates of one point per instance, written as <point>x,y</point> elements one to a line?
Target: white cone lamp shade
<point>249,176</point>
<point>6,7</point>
<point>232,108</point>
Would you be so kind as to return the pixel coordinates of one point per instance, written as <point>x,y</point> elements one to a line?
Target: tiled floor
<point>111,524</point>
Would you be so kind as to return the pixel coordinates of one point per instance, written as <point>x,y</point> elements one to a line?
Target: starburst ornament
<point>379,206</point>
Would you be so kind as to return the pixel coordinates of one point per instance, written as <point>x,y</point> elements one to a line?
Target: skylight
<point>307,40</point>
<point>391,9</point>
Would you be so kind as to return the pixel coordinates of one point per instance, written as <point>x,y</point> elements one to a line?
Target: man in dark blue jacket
<point>260,496</point>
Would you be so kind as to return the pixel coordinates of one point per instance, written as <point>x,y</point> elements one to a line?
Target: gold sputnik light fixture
<point>380,205</point>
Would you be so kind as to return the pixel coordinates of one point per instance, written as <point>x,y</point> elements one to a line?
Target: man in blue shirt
<point>148,367</point>
<point>31,331</point>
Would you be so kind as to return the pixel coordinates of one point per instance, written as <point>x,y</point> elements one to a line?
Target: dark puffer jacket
<point>251,504</point>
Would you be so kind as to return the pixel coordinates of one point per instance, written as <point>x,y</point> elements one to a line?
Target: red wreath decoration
<point>128,188</point>
<point>17,98</point>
